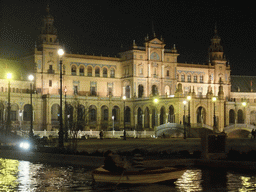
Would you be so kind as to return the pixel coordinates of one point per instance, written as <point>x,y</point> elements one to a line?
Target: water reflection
<point>8,174</point>
<point>25,176</point>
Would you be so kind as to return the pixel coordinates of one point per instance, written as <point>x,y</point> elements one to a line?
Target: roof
<point>243,83</point>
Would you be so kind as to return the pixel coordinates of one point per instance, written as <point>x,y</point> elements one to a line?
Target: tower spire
<point>48,33</point>
<point>216,49</point>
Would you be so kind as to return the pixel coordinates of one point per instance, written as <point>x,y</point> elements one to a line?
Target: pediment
<point>155,41</point>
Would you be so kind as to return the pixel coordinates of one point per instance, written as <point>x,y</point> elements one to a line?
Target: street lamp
<point>9,77</point>
<point>124,98</point>
<point>66,127</point>
<point>61,145</point>
<point>214,116</point>
<point>31,78</point>
<point>189,125</point>
<point>184,118</point>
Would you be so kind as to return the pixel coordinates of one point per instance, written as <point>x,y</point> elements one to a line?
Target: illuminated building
<point>95,85</point>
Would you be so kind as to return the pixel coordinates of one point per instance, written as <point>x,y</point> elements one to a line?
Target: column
<point>135,120</point>
<point>142,121</point>
<point>150,120</point>
<point>167,117</point>
<point>158,119</point>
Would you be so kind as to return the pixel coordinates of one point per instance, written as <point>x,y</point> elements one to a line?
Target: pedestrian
<point>101,134</point>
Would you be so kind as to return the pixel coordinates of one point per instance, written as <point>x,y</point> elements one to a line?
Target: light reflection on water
<point>25,176</point>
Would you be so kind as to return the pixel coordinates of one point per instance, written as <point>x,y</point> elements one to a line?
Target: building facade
<point>151,79</point>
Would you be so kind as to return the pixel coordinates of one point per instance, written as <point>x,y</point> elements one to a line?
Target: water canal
<point>26,176</point>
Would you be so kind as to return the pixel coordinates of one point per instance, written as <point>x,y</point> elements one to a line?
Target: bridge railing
<point>93,134</point>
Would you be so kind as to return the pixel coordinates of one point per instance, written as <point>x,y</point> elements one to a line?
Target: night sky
<point>102,27</point>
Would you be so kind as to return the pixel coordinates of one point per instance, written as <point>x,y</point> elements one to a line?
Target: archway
<point>81,117</point>
<point>1,112</point>
<point>240,116</point>
<point>171,114</point>
<point>28,110</point>
<point>127,116</point>
<point>139,118</point>
<point>162,115</point>
<point>146,118</point>
<point>140,91</point>
<point>116,114</point>
<point>104,117</point>
<point>14,112</point>
<point>92,115</point>
<point>231,116</point>
<point>253,118</point>
<point>201,115</point>
<point>154,117</point>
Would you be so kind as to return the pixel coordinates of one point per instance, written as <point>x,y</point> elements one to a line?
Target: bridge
<point>239,127</point>
<point>177,130</point>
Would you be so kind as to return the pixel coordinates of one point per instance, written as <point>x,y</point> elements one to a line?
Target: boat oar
<point>120,178</point>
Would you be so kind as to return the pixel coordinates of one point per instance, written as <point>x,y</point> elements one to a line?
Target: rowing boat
<point>138,177</point>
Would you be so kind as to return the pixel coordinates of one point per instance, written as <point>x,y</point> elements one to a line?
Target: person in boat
<point>114,163</point>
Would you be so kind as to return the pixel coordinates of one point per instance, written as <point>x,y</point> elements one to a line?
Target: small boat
<point>138,177</point>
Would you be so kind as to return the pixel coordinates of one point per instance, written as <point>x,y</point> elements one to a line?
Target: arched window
<point>201,78</point>
<point>73,70</point>
<point>81,71</point>
<point>195,79</point>
<point>112,73</point>
<point>89,71</point>
<point>182,78</point>
<point>189,78</point>
<point>97,72</point>
<point>105,72</point>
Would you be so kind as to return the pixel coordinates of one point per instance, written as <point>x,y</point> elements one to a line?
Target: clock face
<point>154,56</point>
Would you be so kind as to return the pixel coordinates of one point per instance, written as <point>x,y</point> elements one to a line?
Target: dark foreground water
<point>25,176</point>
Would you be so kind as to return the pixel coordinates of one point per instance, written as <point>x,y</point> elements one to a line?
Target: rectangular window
<point>93,91</point>
<point>167,73</point>
<point>50,83</point>
<point>75,89</point>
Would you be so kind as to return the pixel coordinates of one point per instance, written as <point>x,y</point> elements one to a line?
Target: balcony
<point>50,71</point>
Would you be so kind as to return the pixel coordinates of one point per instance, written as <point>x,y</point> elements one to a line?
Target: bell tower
<point>216,54</point>
<point>48,34</point>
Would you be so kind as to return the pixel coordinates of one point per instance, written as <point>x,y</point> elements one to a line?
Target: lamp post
<point>184,118</point>
<point>61,144</point>
<point>31,134</point>
<point>124,98</point>
<point>214,116</point>
<point>9,76</point>
<point>244,105</point>
<point>65,113</point>
<point>189,125</point>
